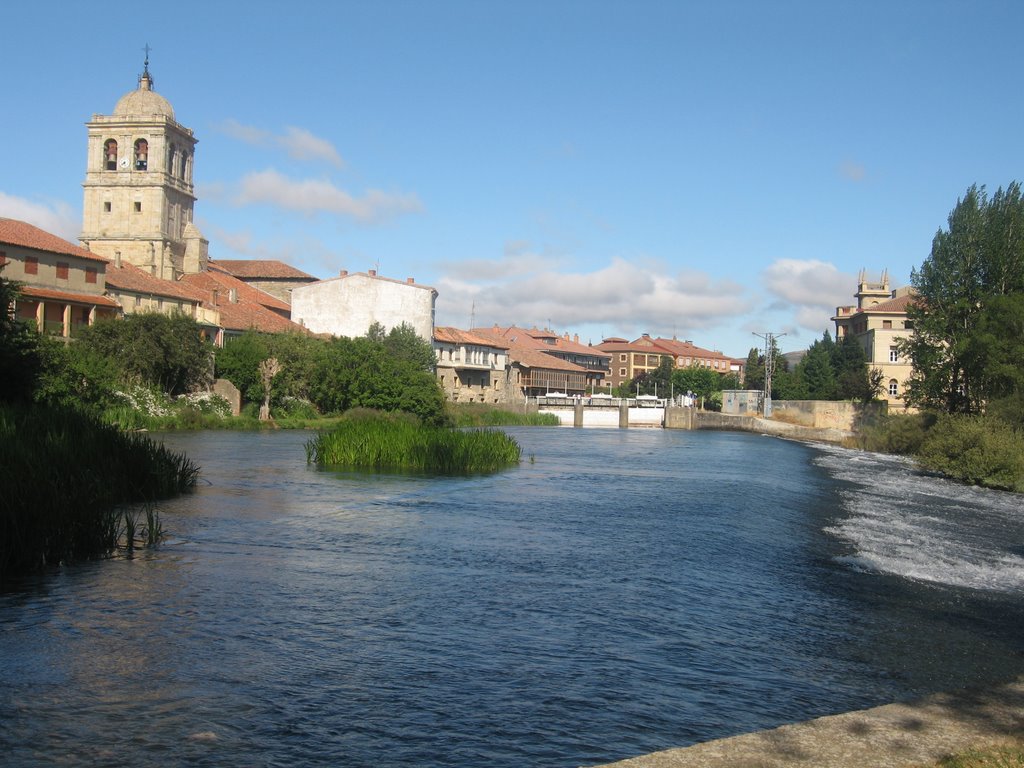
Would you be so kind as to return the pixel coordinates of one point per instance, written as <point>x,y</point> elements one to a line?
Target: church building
<point>139,193</point>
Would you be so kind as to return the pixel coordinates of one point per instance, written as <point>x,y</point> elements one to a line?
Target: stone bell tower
<point>138,186</point>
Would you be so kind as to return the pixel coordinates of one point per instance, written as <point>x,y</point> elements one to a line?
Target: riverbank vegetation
<point>371,441</point>
<point>998,756</point>
<point>483,415</point>
<point>967,348</point>
<point>73,486</point>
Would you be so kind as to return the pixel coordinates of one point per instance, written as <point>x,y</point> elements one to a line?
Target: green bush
<point>975,450</point>
<point>901,434</point>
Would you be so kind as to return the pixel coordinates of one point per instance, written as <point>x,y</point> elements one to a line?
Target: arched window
<point>172,151</point>
<point>894,387</point>
<point>141,155</point>
<point>110,155</point>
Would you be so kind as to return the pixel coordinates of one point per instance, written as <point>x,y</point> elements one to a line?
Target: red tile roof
<point>21,233</point>
<point>130,278</point>
<point>270,269</point>
<point>216,279</point>
<point>45,294</point>
<point>450,335</point>
<point>254,309</point>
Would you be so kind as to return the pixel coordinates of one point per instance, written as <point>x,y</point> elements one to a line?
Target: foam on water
<point>901,521</point>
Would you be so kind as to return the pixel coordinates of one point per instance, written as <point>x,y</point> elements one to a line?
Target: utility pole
<point>769,368</point>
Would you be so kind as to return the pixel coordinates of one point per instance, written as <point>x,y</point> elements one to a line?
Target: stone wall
<point>824,414</point>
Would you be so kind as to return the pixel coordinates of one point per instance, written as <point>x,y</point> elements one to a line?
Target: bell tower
<point>139,194</point>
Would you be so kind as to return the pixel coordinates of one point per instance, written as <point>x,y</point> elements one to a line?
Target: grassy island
<point>383,443</point>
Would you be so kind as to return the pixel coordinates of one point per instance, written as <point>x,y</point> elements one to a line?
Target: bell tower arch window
<point>141,155</point>
<point>171,158</point>
<point>110,155</point>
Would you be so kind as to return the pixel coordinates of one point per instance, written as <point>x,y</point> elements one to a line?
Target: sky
<point>712,171</point>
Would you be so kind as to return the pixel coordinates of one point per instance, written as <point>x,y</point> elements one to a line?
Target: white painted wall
<point>350,304</point>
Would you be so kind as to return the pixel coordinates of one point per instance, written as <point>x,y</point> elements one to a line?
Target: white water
<point>901,521</point>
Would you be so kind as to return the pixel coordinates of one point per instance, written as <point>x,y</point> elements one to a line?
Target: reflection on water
<point>629,591</point>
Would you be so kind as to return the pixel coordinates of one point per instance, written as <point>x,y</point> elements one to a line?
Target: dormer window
<point>141,155</point>
<point>110,155</point>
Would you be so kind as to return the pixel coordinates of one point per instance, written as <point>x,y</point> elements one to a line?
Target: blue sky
<point>704,170</point>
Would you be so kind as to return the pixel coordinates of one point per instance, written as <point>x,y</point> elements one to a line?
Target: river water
<point>620,592</point>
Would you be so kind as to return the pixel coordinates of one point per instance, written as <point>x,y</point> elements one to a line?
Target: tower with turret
<point>139,194</point>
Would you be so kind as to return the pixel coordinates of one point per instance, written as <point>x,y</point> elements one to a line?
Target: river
<point>619,592</point>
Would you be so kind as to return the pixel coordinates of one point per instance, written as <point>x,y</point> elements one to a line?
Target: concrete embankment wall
<point>689,418</point>
<point>902,735</point>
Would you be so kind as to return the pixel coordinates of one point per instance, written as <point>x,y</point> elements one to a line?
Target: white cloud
<point>303,145</point>
<point>622,297</point>
<point>810,290</point>
<point>298,143</point>
<point>318,195</point>
<point>56,216</point>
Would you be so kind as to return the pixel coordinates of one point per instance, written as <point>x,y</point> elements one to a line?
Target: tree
<point>19,350</point>
<point>155,350</point>
<point>961,288</point>
<point>404,343</point>
<point>269,368</point>
<point>815,371</point>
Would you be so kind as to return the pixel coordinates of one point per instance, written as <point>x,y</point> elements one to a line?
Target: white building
<point>349,304</point>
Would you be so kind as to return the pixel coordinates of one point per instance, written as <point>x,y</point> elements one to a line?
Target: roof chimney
<point>117,259</point>
<point>409,280</point>
<point>343,273</point>
<point>372,272</point>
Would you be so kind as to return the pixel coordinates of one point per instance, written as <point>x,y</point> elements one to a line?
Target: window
<point>141,154</point>
<point>31,265</point>
<point>622,357</point>
<point>894,387</point>
<point>110,155</point>
<point>106,207</point>
<point>639,360</point>
<point>887,324</point>
<point>622,372</point>
<point>138,206</point>
<point>62,270</point>
<point>894,355</point>
<point>90,274</point>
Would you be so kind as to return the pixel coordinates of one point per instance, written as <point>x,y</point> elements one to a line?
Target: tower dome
<point>144,100</point>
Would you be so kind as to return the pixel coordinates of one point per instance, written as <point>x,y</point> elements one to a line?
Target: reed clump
<point>482,415</point>
<point>68,482</point>
<point>387,444</point>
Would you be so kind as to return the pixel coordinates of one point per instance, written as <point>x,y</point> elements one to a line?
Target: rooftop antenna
<point>472,315</point>
<point>769,368</point>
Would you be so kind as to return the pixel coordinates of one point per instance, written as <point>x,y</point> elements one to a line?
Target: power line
<point>769,368</point>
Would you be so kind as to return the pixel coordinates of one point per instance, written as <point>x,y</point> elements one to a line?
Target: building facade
<point>349,304</point>
<point>138,190</point>
<point>471,368</point>
<point>879,322</point>
<point>62,286</point>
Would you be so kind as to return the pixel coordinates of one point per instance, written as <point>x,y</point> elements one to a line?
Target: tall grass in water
<point>67,482</point>
<point>482,415</point>
<point>384,444</point>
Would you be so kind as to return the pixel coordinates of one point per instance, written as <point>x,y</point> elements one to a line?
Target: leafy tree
<point>76,376</point>
<point>404,343</point>
<point>239,361</point>
<point>153,349</point>
<point>703,382</point>
<point>19,350</point>
<point>962,289</point>
<point>854,380</point>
